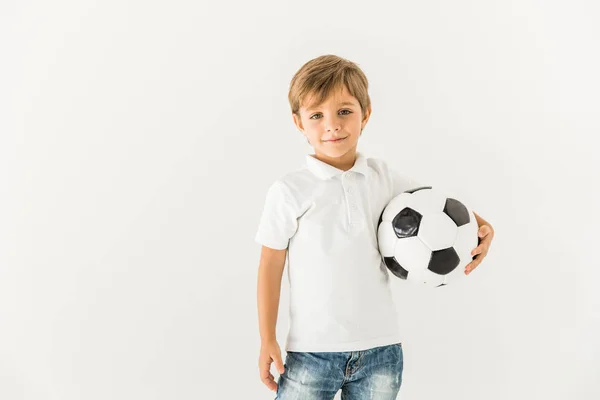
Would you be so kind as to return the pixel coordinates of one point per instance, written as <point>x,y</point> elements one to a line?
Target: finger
<point>265,369</point>
<point>484,231</point>
<point>478,257</point>
<point>475,263</point>
<point>483,247</point>
<point>279,364</point>
<point>268,377</point>
<point>477,250</point>
<point>486,239</point>
<point>470,267</point>
<point>270,383</point>
<point>265,374</point>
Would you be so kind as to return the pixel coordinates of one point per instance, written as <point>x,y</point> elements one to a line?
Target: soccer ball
<point>426,238</point>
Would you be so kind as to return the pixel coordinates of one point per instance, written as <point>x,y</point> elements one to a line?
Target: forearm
<point>269,289</point>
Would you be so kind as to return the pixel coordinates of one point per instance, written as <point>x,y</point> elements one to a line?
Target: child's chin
<point>336,150</point>
<point>337,154</point>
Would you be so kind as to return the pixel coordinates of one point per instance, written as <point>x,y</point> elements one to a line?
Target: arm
<point>277,226</point>
<point>270,271</point>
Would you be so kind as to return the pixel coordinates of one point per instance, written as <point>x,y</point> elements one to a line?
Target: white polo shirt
<point>340,298</point>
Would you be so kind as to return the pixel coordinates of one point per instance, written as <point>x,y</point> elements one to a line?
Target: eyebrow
<point>345,103</point>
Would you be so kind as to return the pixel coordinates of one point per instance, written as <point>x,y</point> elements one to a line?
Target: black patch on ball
<point>444,261</point>
<point>395,268</point>
<point>457,212</point>
<point>417,189</point>
<point>380,218</point>
<point>406,223</point>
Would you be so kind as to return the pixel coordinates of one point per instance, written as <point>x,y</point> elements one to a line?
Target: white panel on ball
<point>437,230</point>
<point>427,201</point>
<point>387,239</point>
<point>412,254</point>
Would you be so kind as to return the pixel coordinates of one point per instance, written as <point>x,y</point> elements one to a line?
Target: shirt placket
<point>352,193</point>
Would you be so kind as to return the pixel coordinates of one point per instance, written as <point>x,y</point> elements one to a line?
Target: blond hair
<point>325,74</point>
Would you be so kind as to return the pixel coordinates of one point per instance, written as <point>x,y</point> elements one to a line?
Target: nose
<point>332,124</point>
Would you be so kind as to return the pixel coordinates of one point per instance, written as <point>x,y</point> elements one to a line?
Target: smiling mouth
<point>336,140</point>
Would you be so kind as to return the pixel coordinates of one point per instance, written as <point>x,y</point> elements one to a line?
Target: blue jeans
<point>367,374</point>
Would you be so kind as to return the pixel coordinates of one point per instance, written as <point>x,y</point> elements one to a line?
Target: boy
<point>323,217</point>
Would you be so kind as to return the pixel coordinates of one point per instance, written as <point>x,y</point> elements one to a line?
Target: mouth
<point>336,140</point>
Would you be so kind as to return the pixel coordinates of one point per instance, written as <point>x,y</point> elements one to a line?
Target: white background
<point>138,138</point>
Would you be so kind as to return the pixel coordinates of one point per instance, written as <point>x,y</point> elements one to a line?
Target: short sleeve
<point>402,182</point>
<point>279,221</point>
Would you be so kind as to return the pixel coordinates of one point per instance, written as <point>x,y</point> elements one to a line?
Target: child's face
<point>338,117</point>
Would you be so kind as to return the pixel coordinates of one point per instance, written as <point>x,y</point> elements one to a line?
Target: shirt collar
<point>326,171</point>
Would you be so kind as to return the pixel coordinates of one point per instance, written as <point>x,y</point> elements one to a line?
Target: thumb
<point>279,364</point>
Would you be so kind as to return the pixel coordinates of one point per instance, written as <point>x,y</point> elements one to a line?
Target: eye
<point>314,115</point>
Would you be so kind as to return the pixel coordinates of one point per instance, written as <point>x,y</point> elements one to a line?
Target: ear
<point>366,116</point>
<point>297,121</point>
